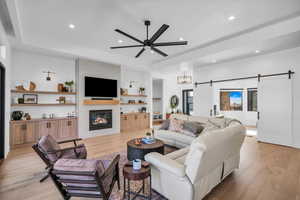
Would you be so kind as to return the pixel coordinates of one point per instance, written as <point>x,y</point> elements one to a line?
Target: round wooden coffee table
<point>139,151</point>
<point>130,174</point>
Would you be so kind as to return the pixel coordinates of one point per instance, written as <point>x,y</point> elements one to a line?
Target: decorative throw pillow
<point>175,125</point>
<point>194,127</point>
<point>165,125</point>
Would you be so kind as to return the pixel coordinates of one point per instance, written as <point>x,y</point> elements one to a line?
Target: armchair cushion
<point>47,144</point>
<point>164,163</point>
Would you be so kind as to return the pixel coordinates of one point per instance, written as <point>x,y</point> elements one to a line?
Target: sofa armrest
<point>165,163</point>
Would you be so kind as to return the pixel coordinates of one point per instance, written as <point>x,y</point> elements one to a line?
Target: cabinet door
<point>67,129</point>
<point>18,132</point>
<point>48,128</point>
<point>30,135</point>
<point>124,123</point>
<point>147,120</point>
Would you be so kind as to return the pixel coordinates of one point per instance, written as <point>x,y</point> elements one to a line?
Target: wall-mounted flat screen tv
<point>100,87</point>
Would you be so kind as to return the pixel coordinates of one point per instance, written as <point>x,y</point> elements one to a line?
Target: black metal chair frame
<point>48,163</point>
<point>98,180</point>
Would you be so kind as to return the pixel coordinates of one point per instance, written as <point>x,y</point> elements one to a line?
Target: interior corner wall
<point>275,62</point>
<point>7,64</point>
<point>100,70</point>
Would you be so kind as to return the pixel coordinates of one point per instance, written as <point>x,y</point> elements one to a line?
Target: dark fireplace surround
<point>100,119</point>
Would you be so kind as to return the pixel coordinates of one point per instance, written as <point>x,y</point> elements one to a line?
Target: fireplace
<point>100,119</point>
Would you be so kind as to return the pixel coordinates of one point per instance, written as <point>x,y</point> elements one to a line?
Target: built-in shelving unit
<point>133,95</point>
<point>44,104</point>
<point>43,92</point>
<point>156,98</point>
<point>133,103</point>
<point>101,102</point>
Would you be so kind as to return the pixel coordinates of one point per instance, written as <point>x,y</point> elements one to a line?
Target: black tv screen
<point>100,87</point>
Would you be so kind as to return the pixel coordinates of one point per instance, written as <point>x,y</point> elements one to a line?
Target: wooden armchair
<point>86,178</point>
<point>50,151</point>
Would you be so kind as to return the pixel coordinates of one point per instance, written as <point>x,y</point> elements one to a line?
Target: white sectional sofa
<point>202,162</point>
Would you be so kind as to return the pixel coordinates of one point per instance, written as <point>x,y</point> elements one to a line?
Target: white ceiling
<point>45,24</point>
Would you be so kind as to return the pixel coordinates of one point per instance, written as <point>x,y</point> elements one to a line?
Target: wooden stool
<point>136,175</point>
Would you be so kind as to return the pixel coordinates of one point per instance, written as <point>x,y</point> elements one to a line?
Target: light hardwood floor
<point>267,172</point>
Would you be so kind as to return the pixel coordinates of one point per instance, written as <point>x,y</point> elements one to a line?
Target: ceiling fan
<point>149,42</point>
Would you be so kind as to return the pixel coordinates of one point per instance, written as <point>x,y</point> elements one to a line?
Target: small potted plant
<point>142,90</point>
<point>70,85</point>
<point>148,135</point>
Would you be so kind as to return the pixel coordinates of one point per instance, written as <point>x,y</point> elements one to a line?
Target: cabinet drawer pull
<point>69,123</point>
<point>135,117</point>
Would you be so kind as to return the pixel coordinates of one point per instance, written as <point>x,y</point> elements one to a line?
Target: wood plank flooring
<point>267,172</point>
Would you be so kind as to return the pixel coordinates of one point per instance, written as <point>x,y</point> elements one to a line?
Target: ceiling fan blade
<point>159,51</point>
<point>140,52</point>
<point>127,35</point>
<point>158,33</point>
<point>129,46</point>
<point>169,43</point>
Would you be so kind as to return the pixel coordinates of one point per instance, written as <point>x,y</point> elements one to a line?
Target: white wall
<point>248,118</point>
<point>172,88</point>
<point>141,79</point>
<point>100,70</point>
<point>29,66</point>
<point>262,64</point>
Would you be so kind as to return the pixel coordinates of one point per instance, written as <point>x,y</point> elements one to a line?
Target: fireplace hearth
<point>100,119</point>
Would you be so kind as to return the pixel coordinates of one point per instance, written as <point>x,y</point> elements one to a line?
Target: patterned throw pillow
<point>165,125</point>
<point>193,127</point>
<point>176,125</point>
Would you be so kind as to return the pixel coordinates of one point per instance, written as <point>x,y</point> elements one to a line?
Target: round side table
<point>139,151</point>
<point>130,174</point>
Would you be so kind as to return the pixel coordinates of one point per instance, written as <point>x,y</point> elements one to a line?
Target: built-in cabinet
<point>135,121</point>
<point>26,132</point>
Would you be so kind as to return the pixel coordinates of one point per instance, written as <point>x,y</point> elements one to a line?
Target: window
<point>252,99</point>
<point>187,96</point>
<point>231,100</point>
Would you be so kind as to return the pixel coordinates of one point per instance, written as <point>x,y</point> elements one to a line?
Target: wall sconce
<point>48,77</point>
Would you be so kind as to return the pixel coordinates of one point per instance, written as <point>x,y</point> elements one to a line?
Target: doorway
<point>2,110</point>
<point>187,103</point>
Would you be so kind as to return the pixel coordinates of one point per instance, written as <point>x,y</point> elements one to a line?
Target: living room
<point>123,100</point>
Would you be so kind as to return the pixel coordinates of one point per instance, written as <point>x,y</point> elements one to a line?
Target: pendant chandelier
<point>185,78</point>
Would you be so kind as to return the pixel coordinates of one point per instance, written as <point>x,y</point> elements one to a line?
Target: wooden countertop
<point>134,113</point>
<point>41,119</point>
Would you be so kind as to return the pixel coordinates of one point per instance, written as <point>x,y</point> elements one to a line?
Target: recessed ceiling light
<point>214,61</point>
<point>257,51</point>
<point>71,26</point>
<point>231,18</point>
<point>120,41</point>
<point>181,39</point>
<point>151,51</point>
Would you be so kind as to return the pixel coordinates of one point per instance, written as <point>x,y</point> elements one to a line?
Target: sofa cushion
<point>172,138</point>
<point>47,145</point>
<point>218,122</point>
<point>165,125</point>
<point>176,125</point>
<point>194,127</point>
